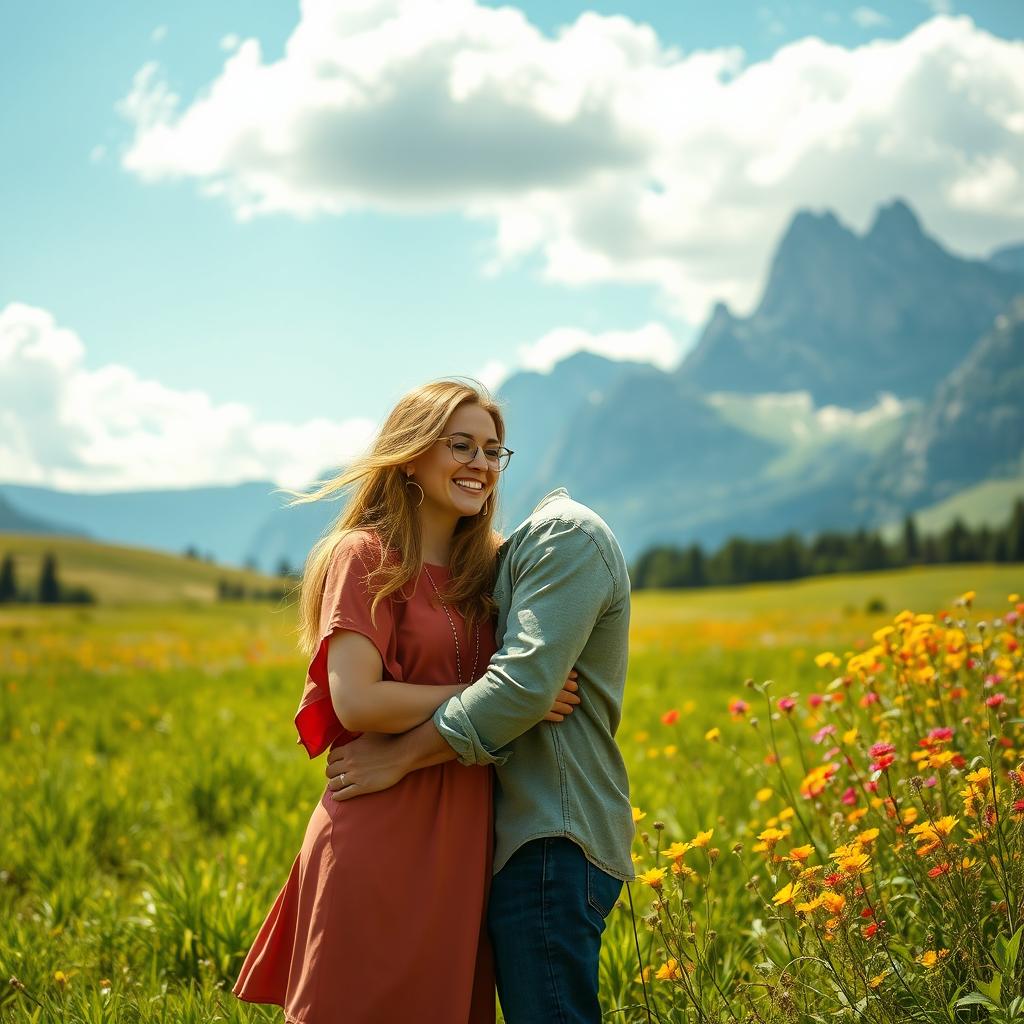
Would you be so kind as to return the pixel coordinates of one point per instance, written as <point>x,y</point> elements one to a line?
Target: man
<point>563,823</point>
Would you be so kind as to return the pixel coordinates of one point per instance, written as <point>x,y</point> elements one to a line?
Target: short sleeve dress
<point>382,917</point>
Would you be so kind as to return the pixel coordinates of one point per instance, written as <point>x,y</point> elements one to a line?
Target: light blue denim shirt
<point>563,601</point>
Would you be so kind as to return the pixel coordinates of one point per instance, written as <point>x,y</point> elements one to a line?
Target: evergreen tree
<point>49,586</point>
<point>1016,532</point>
<point>911,545</point>
<point>8,580</point>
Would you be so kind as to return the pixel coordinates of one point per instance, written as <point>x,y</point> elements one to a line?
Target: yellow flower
<point>764,794</point>
<point>676,850</point>
<point>855,863</point>
<point>834,901</point>
<point>826,658</point>
<point>878,979</point>
<point>849,736</point>
<point>869,835</point>
<point>1013,598</point>
<point>669,970</point>
<point>786,813</point>
<point>809,907</point>
<point>671,750</point>
<point>703,838</point>
<point>713,734</point>
<point>653,878</point>
<point>638,815</point>
<point>772,835</point>
<point>786,893</point>
<point>981,776</point>
<point>931,957</point>
<point>967,597</point>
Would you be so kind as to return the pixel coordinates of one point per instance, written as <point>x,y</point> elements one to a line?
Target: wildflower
<point>670,717</point>
<point>849,736</point>
<point>763,794</point>
<point>870,930</point>
<point>995,700</point>
<point>980,778</point>
<point>713,734</point>
<point>939,869</point>
<point>681,869</point>
<point>815,700</point>
<point>826,658</point>
<point>849,796</point>
<point>931,957</point>
<point>676,850</point>
<point>855,863</point>
<point>653,877</point>
<point>869,835</point>
<point>816,780</point>
<point>702,838</point>
<point>786,893</point>
<point>878,979</point>
<point>638,815</point>
<point>669,970</point>
<point>800,853</point>
<point>738,708</point>
<point>786,704</point>
<point>60,978</point>
<point>809,907</point>
<point>825,730</point>
<point>833,902</point>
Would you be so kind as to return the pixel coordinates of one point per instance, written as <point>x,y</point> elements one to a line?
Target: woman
<point>382,916</point>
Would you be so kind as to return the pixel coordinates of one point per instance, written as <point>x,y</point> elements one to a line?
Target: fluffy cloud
<point>652,343</point>
<point>614,157</point>
<point>66,426</point>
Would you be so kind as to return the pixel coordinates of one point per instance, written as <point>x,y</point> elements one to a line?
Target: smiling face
<point>451,487</point>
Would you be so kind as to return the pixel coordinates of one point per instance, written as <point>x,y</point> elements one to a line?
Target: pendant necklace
<point>458,653</point>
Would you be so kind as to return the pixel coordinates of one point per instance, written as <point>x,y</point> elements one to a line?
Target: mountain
<point>1009,258</point>
<point>539,410</point>
<point>218,519</point>
<point>14,520</point>
<point>971,431</point>
<point>847,317</point>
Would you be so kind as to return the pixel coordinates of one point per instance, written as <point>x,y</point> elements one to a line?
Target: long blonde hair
<point>382,503</point>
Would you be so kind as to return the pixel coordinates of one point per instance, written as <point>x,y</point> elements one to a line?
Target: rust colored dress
<point>382,917</point>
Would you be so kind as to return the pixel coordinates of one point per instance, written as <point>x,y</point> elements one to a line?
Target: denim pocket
<point>602,889</point>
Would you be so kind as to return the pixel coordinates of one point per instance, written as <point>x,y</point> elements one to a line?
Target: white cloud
<point>868,17</point>
<point>614,157</point>
<point>159,34</point>
<point>493,374</point>
<point>230,42</point>
<point>65,426</point>
<point>652,343</point>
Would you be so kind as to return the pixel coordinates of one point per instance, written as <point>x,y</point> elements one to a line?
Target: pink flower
<point>871,786</point>
<point>738,707</point>
<point>815,700</point>
<point>825,730</point>
<point>849,796</point>
<point>944,732</point>
<point>879,749</point>
<point>995,700</point>
<point>869,698</point>
<point>786,704</point>
<point>931,780</point>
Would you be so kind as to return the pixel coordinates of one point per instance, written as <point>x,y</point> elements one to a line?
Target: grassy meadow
<point>806,762</point>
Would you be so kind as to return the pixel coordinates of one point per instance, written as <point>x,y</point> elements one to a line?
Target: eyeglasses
<point>465,452</point>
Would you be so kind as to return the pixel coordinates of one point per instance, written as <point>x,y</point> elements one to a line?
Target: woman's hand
<point>565,701</point>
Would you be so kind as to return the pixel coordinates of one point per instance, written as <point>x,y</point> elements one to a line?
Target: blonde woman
<point>382,917</point>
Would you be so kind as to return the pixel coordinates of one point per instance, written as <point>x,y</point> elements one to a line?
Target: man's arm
<point>561,586</point>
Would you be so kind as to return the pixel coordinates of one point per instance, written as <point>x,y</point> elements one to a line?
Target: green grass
<point>123,575</point>
<point>152,795</point>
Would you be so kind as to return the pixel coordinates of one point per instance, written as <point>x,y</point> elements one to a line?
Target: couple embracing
<point>476,826</point>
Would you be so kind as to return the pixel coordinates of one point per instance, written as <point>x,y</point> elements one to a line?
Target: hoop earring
<point>484,508</point>
<point>418,488</point>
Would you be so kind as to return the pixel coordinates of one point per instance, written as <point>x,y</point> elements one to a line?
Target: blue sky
<point>324,315</point>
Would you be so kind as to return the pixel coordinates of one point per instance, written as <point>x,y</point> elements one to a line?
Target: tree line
<point>48,588</point>
<point>790,557</point>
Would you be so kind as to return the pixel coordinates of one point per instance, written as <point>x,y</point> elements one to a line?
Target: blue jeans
<point>545,916</point>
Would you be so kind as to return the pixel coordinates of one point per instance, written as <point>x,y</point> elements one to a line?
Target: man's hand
<point>367,764</point>
<point>566,699</point>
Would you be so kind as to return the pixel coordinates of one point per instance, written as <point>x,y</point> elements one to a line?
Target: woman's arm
<point>363,701</point>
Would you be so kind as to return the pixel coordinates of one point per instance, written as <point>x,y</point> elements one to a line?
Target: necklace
<point>458,653</point>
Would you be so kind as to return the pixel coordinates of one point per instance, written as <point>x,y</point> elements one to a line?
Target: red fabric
<point>382,917</point>
<point>345,604</point>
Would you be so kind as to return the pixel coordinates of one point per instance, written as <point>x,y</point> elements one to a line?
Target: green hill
<point>126,575</point>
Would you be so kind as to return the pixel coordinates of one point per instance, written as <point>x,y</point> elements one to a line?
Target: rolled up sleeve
<point>561,585</point>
